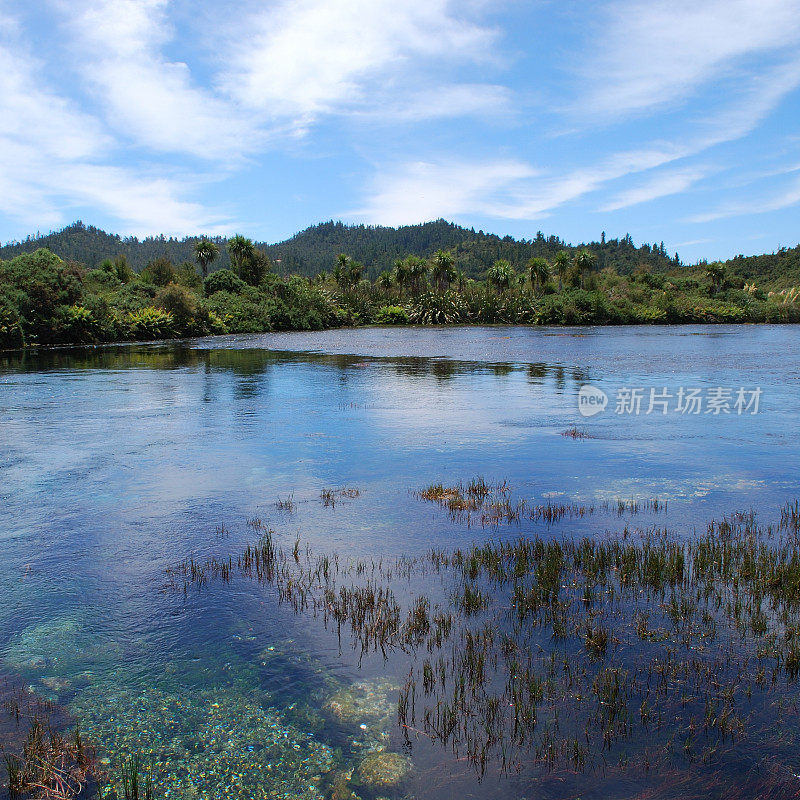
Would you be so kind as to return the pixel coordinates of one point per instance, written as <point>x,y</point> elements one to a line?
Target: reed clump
<point>492,505</point>
<point>48,761</point>
<point>645,647</point>
<point>329,497</point>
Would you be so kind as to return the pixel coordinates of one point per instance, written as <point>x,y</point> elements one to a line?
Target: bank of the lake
<point>45,301</point>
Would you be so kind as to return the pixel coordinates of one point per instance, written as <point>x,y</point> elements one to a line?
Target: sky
<point>672,120</point>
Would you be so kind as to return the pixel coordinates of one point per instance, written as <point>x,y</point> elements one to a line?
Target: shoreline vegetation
<point>47,301</point>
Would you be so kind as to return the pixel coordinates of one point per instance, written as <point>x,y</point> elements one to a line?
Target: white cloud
<point>532,193</point>
<point>658,52</point>
<point>444,102</point>
<point>422,191</point>
<point>662,185</point>
<point>55,158</point>
<point>305,58</point>
<point>146,97</point>
<point>787,197</point>
<point>694,242</point>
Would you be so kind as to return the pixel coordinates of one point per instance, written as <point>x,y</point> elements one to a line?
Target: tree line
<point>45,300</point>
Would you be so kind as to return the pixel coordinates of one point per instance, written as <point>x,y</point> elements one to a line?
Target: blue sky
<point>672,120</point>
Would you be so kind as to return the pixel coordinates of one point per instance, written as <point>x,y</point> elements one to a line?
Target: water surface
<point>119,462</point>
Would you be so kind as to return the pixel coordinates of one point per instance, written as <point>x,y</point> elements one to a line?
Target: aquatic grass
<point>329,497</point>
<point>562,649</point>
<point>50,765</point>
<point>136,780</point>
<point>286,504</point>
<point>492,505</point>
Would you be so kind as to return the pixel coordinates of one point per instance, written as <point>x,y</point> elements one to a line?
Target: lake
<point>119,463</point>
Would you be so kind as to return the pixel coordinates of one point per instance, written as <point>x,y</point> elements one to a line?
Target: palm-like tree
<point>385,280</point>
<point>205,252</point>
<point>539,271</point>
<point>401,277</point>
<point>584,261</point>
<point>411,273</point>
<point>240,248</point>
<point>347,271</point>
<point>443,269</point>
<point>561,264</point>
<point>500,275</point>
<point>716,271</point>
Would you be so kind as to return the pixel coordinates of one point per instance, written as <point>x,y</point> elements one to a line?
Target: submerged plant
<point>136,781</point>
<point>557,651</point>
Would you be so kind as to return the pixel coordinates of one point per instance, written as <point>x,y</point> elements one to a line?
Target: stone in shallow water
<point>364,702</point>
<point>62,647</point>
<point>383,770</point>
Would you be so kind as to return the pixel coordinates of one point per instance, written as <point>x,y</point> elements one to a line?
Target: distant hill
<point>313,250</point>
<point>771,270</point>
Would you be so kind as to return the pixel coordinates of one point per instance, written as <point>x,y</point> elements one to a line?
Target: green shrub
<point>11,333</point>
<point>101,279</point>
<point>151,323</point>
<point>649,315</point>
<point>432,308</point>
<point>78,325</point>
<point>240,313</point>
<point>160,272</point>
<point>182,303</point>
<point>297,304</point>
<point>134,296</point>
<point>187,275</point>
<point>223,280</point>
<point>254,268</point>
<point>392,315</point>
<point>37,286</point>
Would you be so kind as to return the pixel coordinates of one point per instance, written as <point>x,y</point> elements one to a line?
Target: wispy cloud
<point>654,53</point>
<point>55,158</point>
<point>146,97</point>
<point>422,191</point>
<point>442,102</point>
<point>787,197</point>
<point>308,58</point>
<point>662,185</point>
<point>533,192</point>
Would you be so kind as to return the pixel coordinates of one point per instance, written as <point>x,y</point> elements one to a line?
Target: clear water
<point>117,463</point>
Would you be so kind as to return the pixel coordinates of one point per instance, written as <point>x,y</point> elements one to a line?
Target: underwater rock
<point>61,646</point>
<point>383,770</point>
<point>364,702</point>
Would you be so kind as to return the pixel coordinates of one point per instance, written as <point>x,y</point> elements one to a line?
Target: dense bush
<point>44,300</point>
<point>151,323</point>
<point>34,289</point>
<point>240,313</point>
<point>183,304</point>
<point>223,280</point>
<point>159,272</point>
<point>392,315</point>
<point>432,308</point>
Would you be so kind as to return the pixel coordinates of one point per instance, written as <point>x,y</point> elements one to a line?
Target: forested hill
<point>313,250</point>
